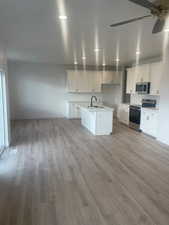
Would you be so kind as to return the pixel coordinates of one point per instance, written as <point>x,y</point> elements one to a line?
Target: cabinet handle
<point>158,92</point>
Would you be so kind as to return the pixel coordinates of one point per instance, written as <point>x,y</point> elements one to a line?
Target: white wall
<point>39,91</point>
<point>163,131</point>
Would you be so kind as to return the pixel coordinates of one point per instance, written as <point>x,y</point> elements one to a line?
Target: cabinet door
<point>83,81</point>
<point>107,77</point>
<point>77,111</point>
<point>129,81</point>
<point>72,81</point>
<point>111,77</point>
<point>142,73</point>
<point>145,117</point>
<point>84,118</point>
<point>131,84</point>
<point>95,80</point>
<point>154,124</point>
<point>155,78</point>
<point>149,122</point>
<point>117,77</point>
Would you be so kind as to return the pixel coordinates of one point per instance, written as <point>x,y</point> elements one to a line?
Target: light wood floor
<point>63,175</point>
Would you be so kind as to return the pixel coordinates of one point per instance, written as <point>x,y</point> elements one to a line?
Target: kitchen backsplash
<point>137,99</point>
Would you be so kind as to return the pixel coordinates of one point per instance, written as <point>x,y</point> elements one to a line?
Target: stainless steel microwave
<point>143,88</point>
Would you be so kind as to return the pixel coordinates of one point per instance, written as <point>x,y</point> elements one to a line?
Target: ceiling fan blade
<point>144,3</point>
<point>130,21</point>
<point>159,25</point>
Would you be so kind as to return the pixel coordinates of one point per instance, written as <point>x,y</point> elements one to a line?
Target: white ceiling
<point>32,31</point>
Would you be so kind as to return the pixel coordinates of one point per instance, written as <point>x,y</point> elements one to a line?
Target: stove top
<point>139,106</point>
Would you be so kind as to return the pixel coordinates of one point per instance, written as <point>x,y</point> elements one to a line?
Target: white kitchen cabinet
<point>131,81</point>
<point>138,74</point>
<point>88,120</point>
<point>78,81</point>
<point>155,78</point>
<point>123,113</point>
<point>95,81</point>
<point>84,81</point>
<point>117,75</point>
<point>72,81</point>
<point>107,77</point>
<point>145,73</point>
<point>149,121</point>
<point>142,73</point>
<point>97,121</point>
<point>111,77</point>
<point>73,110</point>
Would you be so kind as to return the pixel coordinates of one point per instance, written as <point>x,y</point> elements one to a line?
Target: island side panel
<point>104,123</point>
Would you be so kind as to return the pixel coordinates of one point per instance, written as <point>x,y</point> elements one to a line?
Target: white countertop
<point>78,101</point>
<point>151,108</point>
<point>90,109</point>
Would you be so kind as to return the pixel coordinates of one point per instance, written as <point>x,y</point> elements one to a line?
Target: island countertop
<point>99,121</point>
<point>100,108</point>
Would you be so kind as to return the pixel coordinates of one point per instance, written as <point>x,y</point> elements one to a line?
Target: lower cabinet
<point>97,122</point>
<point>73,111</point>
<point>123,113</point>
<point>149,121</point>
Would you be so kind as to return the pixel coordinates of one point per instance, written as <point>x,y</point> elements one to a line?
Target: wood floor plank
<point>56,172</point>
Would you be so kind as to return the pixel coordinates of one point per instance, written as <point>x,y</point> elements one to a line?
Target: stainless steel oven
<point>135,117</point>
<point>143,88</point>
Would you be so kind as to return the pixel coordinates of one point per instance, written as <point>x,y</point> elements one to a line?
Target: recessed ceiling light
<point>75,63</point>
<point>103,64</point>
<point>96,49</point>
<point>166,30</point>
<point>63,17</point>
<point>138,52</point>
<point>83,57</point>
<point>117,60</point>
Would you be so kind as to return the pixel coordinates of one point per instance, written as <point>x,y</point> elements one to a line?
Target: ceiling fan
<point>158,9</point>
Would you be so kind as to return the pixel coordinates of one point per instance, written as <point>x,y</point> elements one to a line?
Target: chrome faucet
<point>91,102</point>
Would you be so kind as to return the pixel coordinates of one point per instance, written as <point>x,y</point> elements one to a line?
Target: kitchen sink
<point>96,106</point>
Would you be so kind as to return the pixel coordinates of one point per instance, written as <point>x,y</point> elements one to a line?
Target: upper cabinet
<point>83,81</point>
<point>145,73</point>
<point>90,81</point>
<point>142,73</point>
<point>111,77</point>
<point>155,77</point>
<point>95,81</point>
<point>131,81</point>
<point>72,81</point>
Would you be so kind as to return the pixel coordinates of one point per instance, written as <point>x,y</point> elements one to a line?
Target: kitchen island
<point>98,119</point>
